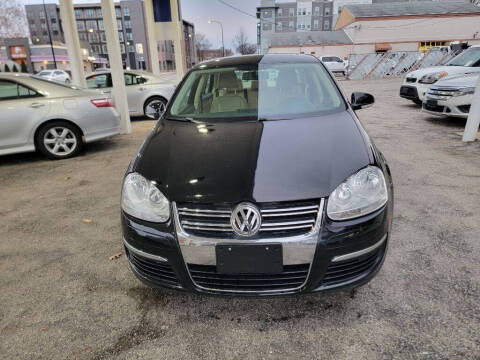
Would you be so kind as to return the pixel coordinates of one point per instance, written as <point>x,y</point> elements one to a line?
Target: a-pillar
<point>119,92</point>
<point>69,25</point>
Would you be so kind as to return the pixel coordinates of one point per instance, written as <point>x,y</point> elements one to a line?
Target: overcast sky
<point>200,11</point>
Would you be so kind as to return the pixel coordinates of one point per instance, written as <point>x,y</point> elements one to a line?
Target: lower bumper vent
<point>153,270</point>
<point>292,277</point>
<point>348,270</point>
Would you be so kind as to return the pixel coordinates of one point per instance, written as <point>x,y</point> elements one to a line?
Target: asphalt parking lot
<point>62,297</point>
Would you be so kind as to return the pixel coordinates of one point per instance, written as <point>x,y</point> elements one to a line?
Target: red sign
<point>18,52</point>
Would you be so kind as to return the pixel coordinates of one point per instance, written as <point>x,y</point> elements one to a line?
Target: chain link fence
<point>393,64</point>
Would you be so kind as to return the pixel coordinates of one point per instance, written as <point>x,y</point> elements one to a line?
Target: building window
<point>317,11</point>
<point>118,12</point>
<point>279,26</point>
<point>128,24</point>
<point>53,20</point>
<point>54,26</point>
<point>91,25</point>
<point>129,36</point>
<point>41,14</point>
<point>122,48</point>
<point>280,12</point>
<point>308,26</point>
<point>315,24</point>
<point>99,13</point>
<point>103,37</point>
<point>267,14</point>
<point>291,25</point>
<point>100,25</point>
<point>89,13</point>
<point>131,48</point>
<point>120,36</point>
<point>119,24</point>
<point>55,33</point>
<point>96,49</point>
<point>267,26</point>
<point>299,11</point>
<point>326,11</point>
<point>126,11</point>
<point>78,13</point>
<point>326,25</point>
<point>291,12</point>
<point>104,49</point>
<point>93,37</point>
<point>82,36</point>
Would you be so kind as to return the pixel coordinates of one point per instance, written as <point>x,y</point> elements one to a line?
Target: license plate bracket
<point>249,259</point>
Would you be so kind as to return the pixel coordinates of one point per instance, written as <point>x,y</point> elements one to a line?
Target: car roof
<point>255,59</point>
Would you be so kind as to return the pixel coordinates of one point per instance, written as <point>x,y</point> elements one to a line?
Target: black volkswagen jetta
<point>258,180</point>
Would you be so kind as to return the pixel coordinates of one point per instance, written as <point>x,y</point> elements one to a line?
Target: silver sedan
<point>56,119</point>
<point>147,94</point>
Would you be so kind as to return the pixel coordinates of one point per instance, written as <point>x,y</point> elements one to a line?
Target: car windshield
<point>256,92</point>
<point>331,59</point>
<point>470,57</point>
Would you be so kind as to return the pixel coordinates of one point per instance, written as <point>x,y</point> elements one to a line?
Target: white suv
<point>334,64</point>
<point>55,75</point>
<point>417,82</point>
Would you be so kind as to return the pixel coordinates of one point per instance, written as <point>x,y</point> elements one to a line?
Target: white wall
<point>415,29</point>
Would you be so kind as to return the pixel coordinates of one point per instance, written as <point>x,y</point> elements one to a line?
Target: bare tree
<point>242,45</point>
<point>201,44</point>
<point>13,21</point>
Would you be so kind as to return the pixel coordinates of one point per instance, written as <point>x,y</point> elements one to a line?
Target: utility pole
<point>49,34</point>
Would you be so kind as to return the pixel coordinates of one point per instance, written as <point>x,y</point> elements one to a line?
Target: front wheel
<point>154,107</point>
<point>59,140</point>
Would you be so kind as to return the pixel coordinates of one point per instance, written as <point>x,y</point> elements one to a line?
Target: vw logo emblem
<point>246,219</point>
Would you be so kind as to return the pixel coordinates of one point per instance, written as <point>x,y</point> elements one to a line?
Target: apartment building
<point>131,32</point>
<point>298,16</point>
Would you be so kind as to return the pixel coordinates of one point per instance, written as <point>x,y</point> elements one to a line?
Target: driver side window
<point>99,81</point>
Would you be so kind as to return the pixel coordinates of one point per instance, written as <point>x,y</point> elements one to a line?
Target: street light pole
<point>49,34</point>
<point>221,27</point>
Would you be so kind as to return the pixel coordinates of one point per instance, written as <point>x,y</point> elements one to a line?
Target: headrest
<point>228,80</point>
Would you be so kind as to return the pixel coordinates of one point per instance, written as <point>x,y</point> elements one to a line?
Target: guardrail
<point>393,64</point>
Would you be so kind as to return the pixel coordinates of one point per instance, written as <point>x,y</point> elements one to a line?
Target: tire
<point>67,81</point>
<point>59,140</point>
<point>148,110</point>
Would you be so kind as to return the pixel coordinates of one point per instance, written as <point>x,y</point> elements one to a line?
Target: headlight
<point>464,91</point>
<point>432,78</point>
<point>142,199</point>
<point>361,194</point>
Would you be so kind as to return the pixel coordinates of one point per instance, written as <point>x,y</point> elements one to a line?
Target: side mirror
<point>361,100</point>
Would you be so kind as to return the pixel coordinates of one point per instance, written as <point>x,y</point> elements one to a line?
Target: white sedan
<point>55,75</point>
<point>56,119</point>
<point>146,94</point>
<point>334,64</point>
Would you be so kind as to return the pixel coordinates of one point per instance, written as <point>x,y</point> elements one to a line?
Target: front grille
<point>342,271</point>
<point>409,92</point>
<point>435,108</point>
<point>292,277</point>
<point>278,219</point>
<point>441,93</point>
<point>464,108</point>
<point>411,80</point>
<point>154,270</point>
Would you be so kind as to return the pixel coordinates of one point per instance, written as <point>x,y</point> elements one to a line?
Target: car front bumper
<point>413,91</point>
<point>346,254</point>
<point>454,106</point>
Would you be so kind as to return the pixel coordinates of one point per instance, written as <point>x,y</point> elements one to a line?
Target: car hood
<point>259,161</point>
<point>451,70</point>
<point>459,81</point>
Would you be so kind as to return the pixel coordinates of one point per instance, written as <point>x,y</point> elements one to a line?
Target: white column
<point>119,92</point>
<point>74,51</point>
<point>178,40</point>
<point>473,121</point>
<point>151,37</point>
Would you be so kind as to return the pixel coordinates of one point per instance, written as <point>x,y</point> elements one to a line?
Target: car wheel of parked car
<point>59,140</point>
<point>153,105</point>
<point>67,81</point>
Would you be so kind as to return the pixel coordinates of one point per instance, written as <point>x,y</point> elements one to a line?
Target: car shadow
<point>450,122</point>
